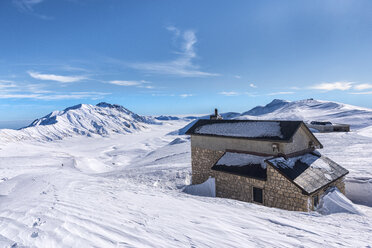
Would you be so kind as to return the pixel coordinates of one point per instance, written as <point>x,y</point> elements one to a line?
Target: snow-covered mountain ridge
<point>310,109</point>
<point>82,119</point>
<point>304,110</point>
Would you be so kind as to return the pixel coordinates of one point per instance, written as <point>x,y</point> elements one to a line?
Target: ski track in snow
<point>126,191</point>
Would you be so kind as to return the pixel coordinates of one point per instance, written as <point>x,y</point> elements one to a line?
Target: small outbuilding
<point>273,163</point>
<point>327,126</point>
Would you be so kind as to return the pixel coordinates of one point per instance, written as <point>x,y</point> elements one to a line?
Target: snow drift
<point>335,202</point>
<point>208,188</point>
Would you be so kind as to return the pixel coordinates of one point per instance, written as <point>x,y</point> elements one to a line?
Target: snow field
<point>127,191</point>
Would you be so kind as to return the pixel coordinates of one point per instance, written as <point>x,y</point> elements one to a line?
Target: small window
<point>311,144</point>
<point>316,200</point>
<point>257,195</point>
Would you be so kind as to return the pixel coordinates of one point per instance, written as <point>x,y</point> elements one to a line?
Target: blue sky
<point>181,57</point>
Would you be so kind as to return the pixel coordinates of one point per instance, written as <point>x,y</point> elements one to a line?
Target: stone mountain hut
<point>273,163</point>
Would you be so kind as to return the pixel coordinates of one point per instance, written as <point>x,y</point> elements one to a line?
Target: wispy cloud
<point>27,6</point>
<point>6,85</point>
<point>181,66</point>
<point>13,90</point>
<point>363,86</point>
<point>362,93</point>
<point>55,96</point>
<point>333,86</point>
<point>140,84</point>
<point>252,86</point>
<point>229,93</point>
<point>186,95</point>
<point>281,93</point>
<point>57,78</point>
<point>125,83</point>
<point>237,76</point>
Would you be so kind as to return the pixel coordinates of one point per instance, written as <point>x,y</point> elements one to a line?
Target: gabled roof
<point>310,172</point>
<point>271,130</point>
<point>242,164</point>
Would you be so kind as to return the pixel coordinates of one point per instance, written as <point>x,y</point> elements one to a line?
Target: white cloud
<point>18,96</point>
<point>26,5</point>
<point>281,93</point>
<point>252,85</point>
<point>229,93</point>
<point>333,86</point>
<point>186,95</point>
<point>362,93</point>
<point>57,78</point>
<point>13,90</point>
<point>139,84</point>
<point>162,94</point>
<point>175,30</point>
<point>181,66</point>
<point>237,76</point>
<point>146,86</point>
<point>125,83</point>
<point>363,86</point>
<point>56,96</point>
<point>6,85</point>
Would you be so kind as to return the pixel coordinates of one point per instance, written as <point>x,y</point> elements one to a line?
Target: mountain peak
<point>85,119</point>
<point>268,108</point>
<point>277,101</point>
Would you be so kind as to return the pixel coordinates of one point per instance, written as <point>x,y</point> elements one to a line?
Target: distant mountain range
<point>305,110</point>
<point>312,110</point>
<point>104,119</point>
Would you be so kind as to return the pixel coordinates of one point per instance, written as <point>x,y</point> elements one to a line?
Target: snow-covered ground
<point>107,185</point>
<point>126,191</point>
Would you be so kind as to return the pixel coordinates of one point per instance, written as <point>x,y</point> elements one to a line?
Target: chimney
<point>216,116</point>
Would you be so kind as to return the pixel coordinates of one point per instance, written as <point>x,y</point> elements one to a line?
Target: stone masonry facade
<point>278,191</point>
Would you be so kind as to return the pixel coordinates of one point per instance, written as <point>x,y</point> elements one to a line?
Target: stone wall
<point>281,193</point>
<point>278,191</point>
<point>201,162</point>
<point>236,187</point>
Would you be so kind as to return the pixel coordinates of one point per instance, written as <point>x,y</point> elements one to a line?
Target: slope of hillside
<point>309,110</point>
<point>83,119</point>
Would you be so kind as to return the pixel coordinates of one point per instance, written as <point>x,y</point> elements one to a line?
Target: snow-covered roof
<point>249,129</point>
<point>241,159</point>
<point>242,164</point>
<point>242,129</point>
<point>310,171</point>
